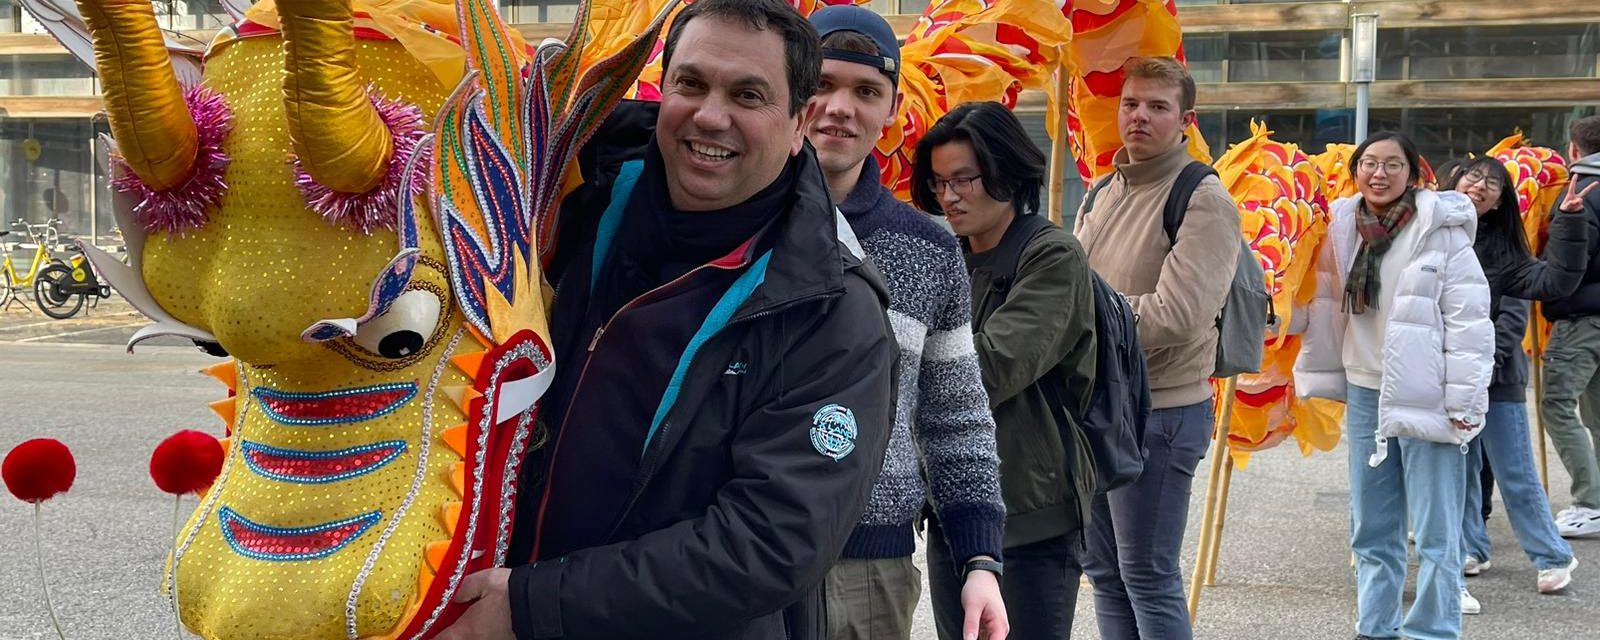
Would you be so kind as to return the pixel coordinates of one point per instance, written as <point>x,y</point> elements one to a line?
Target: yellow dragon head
<point>352,204</point>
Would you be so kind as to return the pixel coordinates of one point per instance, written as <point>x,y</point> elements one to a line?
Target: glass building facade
<point>1456,76</point>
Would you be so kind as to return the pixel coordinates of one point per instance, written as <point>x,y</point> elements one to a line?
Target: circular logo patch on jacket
<point>833,431</point>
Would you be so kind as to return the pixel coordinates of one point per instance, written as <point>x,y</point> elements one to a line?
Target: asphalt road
<point>1285,570</point>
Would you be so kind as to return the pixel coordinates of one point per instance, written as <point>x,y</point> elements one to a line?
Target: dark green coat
<point>1047,319</point>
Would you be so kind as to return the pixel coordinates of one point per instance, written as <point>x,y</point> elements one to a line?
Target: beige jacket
<point>1176,291</point>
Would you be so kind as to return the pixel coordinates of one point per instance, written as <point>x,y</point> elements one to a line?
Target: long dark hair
<point>1500,227</point>
<point>1013,168</point>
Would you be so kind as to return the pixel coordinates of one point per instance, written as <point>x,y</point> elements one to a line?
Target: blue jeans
<point>1504,441</point>
<point>1136,535</point>
<point>1428,481</point>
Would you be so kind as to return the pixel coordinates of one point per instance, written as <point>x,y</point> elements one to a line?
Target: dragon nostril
<point>211,348</point>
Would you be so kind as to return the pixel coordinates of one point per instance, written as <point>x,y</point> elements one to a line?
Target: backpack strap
<point>1094,190</point>
<point>1009,252</point>
<point>1178,198</point>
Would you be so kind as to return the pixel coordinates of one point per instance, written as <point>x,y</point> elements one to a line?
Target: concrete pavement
<point>1284,568</point>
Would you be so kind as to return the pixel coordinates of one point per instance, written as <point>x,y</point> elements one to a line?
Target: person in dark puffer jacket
<point>1571,365</point>
<point>1515,276</point>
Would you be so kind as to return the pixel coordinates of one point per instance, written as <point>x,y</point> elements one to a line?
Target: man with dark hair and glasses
<point>977,167</point>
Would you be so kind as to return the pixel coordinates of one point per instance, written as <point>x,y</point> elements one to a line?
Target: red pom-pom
<point>38,469</point>
<point>186,462</point>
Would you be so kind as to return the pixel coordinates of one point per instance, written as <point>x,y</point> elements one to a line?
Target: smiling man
<point>1175,281</point>
<point>942,449</point>
<point>725,368</point>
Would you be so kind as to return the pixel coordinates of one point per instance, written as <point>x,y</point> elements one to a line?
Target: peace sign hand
<point>1573,202</point>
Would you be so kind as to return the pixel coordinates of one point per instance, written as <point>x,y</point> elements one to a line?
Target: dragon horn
<point>336,131</point>
<point>144,103</point>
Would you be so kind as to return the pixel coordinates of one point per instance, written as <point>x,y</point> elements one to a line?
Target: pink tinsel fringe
<point>379,207</point>
<point>186,206</point>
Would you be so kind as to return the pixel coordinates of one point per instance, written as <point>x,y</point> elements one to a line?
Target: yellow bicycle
<point>11,281</point>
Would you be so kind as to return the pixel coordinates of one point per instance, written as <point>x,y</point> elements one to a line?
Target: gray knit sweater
<point>942,448</point>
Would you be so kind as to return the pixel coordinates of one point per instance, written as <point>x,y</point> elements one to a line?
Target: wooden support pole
<point>1219,451</point>
<point>1058,148</point>
<point>1538,404</point>
<point>1221,519</point>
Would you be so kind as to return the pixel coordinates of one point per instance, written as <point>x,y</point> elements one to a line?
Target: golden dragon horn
<point>336,131</point>
<point>154,131</point>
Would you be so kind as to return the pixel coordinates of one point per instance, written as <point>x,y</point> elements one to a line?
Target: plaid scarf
<point>1378,231</point>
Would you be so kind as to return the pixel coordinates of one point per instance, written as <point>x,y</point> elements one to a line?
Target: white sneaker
<point>1473,567</point>
<point>1469,604</point>
<point>1580,521</point>
<point>1566,514</point>
<point>1553,580</point>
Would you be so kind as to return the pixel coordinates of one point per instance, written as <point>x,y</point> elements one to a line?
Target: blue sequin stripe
<point>262,393</point>
<point>226,516</point>
<point>396,448</point>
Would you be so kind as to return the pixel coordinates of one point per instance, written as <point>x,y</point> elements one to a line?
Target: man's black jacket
<point>742,500</point>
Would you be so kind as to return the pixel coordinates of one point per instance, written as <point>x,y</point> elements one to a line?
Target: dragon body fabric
<point>352,203</point>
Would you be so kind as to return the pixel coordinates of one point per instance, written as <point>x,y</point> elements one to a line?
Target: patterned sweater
<point>942,448</point>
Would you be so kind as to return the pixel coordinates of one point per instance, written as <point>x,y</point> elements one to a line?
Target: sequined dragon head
<point>352,203</point>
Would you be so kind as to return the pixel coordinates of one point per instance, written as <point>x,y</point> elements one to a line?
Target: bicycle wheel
<point>48,292</point>
<point>5,288</point>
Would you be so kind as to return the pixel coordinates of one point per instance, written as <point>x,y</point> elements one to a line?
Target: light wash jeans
<point>1428,482</point>
<point>1504,441</point>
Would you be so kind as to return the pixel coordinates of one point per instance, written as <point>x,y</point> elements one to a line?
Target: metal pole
<point>94,187</point>
<point>1362,99</point>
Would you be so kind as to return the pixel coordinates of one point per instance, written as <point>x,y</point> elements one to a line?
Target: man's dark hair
<point>1013,168</point>
<point>1409,148</point>
<point>1586,135</point>
<point>801,47</point>
<point>853,41</point>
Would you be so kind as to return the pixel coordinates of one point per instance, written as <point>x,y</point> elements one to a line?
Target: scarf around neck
<point>1378,231</point>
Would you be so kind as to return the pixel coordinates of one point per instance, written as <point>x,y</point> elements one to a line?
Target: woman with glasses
<point>1515,276</point>
<point>1399,330</point>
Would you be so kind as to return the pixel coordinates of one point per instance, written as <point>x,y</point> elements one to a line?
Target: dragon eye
<point>402,331</point>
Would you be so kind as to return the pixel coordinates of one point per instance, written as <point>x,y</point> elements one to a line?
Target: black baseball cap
<point>849,17</point>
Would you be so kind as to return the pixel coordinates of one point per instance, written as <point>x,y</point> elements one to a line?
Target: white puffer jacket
<point>1438,343</point>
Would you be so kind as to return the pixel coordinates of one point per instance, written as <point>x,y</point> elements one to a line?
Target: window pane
<point>1554,51</point>
<point>46,75</point>
<point>1206,55</point>
<point>1288,56</point>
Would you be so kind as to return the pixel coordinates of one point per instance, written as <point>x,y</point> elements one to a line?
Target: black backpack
<point>1119,404</point>
<point>1247,310</point>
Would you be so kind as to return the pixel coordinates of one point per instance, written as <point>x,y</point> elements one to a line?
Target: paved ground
<point>1284,571</point>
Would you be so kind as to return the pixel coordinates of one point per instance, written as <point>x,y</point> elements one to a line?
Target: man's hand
<point>1461,424</point>
<point>986,611</point>
<point>1573,202</point>
<point>489,617</point>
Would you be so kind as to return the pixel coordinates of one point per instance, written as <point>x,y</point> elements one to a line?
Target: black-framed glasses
<point>962,186</point>
<point>1480,176</point>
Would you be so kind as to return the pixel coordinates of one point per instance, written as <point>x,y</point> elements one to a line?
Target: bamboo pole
<point>1219,451</point>
<point>1538,403</point>
<point>1221,520</point>
<point>1058,148</point>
